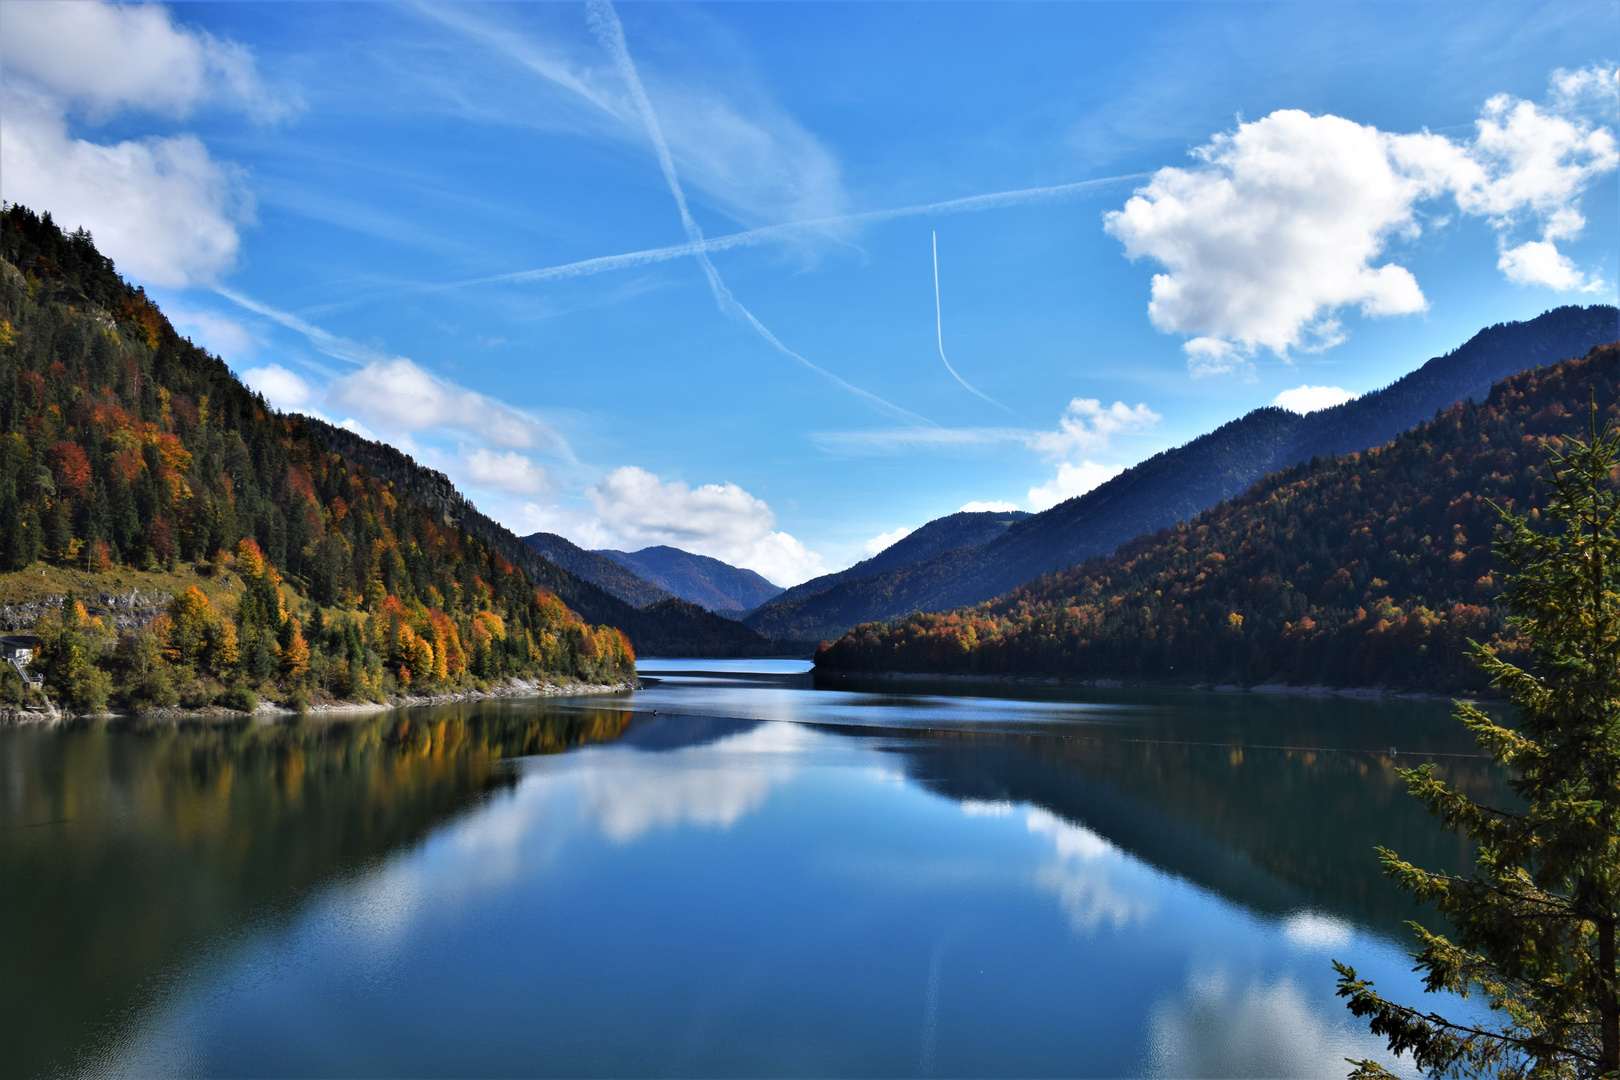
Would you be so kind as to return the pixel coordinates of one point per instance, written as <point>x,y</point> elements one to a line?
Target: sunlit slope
<point>1370,569</point>
<point>1179,483</point>
<point>123,444</point>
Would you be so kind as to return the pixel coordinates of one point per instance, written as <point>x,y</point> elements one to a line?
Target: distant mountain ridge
<point>667,627</point>
<point>1177,484</point>
<point>1370,569</point>
<point>716,585</point>
<point>786,614</point>
<point>601,571</point>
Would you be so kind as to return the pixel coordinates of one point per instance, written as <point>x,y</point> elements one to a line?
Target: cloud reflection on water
<point>1084,876</point>
<point>1219,1026</point>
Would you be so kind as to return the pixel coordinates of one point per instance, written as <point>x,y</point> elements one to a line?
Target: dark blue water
<point>762,879</point>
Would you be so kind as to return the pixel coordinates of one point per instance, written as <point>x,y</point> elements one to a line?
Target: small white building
<point>19,648</point>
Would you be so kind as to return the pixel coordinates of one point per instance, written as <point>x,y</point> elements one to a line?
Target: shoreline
<point>267,712</point>
<point>1361,693</point>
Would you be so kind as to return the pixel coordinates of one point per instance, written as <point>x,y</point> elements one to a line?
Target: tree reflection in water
<point>127,850</point>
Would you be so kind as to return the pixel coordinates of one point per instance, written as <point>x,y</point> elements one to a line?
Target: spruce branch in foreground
<point>1534,924</point>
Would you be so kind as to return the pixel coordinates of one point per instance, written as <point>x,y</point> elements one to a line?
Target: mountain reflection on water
<point>894,883</point>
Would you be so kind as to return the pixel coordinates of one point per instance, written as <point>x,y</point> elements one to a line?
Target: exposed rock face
<point>120,610</point>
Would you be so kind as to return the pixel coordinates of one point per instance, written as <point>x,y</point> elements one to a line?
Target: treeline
<point>121,443</point>
<point>1369,569</point>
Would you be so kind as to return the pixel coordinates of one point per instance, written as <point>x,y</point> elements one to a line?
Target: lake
<point>732,872</point>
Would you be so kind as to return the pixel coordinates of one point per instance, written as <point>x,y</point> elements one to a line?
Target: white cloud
<point>1278,227</point>
<point>1539,262</point>
<point>1000,506</point>
<point>1285,220</point>
<point>351,424</point>
<point>1307,399</point>
<point>397,395</point>
<point>102,57</point>
<point>719,520</point>
<point>287,390</point>
<point>1087,425</point>
<point>884,540</point>
<point>161,207</point>
<point>1070,481</point>
<point>906,439</point>
<point>510,471</point>
<point>225,338</point>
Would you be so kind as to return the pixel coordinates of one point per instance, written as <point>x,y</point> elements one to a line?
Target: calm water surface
<point>732,872</point>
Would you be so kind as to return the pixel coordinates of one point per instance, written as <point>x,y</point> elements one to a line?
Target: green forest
<point>124,445</point>
<point>1370,569</point>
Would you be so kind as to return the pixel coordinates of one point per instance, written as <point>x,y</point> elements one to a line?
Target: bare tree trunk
<point>1608,1006</point>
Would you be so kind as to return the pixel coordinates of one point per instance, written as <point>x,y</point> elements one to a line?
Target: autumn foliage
<point>123,443</point>
<point>1369,569</point>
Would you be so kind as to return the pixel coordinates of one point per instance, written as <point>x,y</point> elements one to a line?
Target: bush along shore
<point>259,646</point>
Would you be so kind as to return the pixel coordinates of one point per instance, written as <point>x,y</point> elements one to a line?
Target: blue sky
<point>461,228</point>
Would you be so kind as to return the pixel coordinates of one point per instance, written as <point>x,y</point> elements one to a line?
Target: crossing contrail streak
<point>939,330</point>
<point>764,234</point>
<point>604,23</point>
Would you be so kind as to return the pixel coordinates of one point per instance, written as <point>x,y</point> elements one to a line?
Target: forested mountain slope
<point>1176,484</point>
<point>786,616</point>
<point>666,627</point>
<point>716,585</point>
<point>122,444</point>
<point>598,569</point>
<point>1368,569</point>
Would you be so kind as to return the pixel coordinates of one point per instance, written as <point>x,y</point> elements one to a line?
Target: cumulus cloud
<point>1285,222</point>
<point>719,520</point>
<point>884,540</point>
<point>397,395</point>
<point>286,390</point>
<point>1087,425</point>
<point>1307,399</point>
<point>1070,481</point>
<point>999,506</point>
<point>510,471</point>
<point>162,208</point>
<point>101,58</point>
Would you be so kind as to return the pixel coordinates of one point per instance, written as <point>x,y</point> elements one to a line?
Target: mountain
<point>667,627</point>
<point>1370,569</point>
<point>716,585</point>
<point>596,568</point>
<point>126,450</point>
<point>1179,483</point>
<point>798,615</point>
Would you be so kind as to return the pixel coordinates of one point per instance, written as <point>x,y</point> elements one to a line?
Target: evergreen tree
<point>1535,923</point>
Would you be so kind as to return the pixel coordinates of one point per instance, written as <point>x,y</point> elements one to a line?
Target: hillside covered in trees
<point>122,444</point>
<point>1178,483</point>
<point>1372,569</point>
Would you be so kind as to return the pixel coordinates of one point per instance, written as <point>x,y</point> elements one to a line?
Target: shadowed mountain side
<point>1172,486</point>
<point>718,586</point>
<point>671,627</point>
<point>598,569</point>
<point>1372,569</point>
<point>785,616</point>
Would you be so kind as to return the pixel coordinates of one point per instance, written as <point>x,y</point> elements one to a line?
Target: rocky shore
<point>268,711</point>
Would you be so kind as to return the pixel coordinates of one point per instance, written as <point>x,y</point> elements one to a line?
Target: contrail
<point>604,23</point>
<point>939,330</point>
